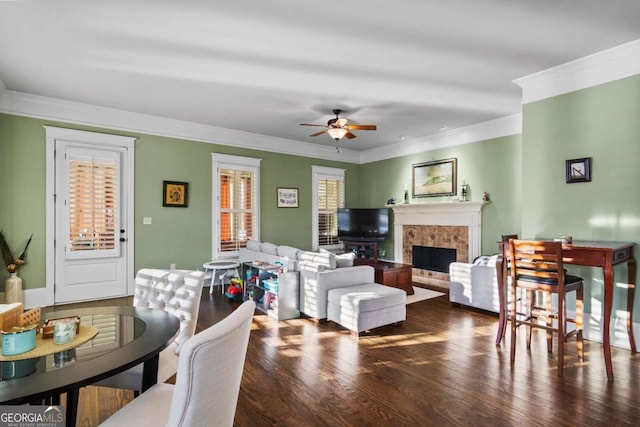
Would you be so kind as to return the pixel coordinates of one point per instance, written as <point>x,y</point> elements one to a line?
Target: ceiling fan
<point>339,127</point>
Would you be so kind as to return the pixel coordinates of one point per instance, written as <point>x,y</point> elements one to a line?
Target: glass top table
<point>127,336</point>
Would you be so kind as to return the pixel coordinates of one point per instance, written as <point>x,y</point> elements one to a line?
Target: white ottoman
<point>363,307</point>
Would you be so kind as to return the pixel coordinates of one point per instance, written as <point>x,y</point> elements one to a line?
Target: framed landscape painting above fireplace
<point>437,178</point>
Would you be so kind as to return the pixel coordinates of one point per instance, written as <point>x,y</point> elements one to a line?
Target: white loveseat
<point>319,272</point>
<point>475,285</point>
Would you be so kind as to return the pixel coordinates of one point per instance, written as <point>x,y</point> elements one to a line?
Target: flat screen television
<point>366,224</point>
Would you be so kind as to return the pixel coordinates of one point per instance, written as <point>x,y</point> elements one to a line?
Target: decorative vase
<point>13,289</point>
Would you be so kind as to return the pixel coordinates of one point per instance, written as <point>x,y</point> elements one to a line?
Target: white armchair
<point>208,381</point>
<point>474,285</point>
<point>177,292</point>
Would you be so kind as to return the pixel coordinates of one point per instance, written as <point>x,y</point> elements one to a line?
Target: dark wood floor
<point>439,368</point>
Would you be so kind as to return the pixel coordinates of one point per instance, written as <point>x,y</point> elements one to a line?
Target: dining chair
<point>504,294</point>
<point>537,266</point>
<point>208,381</point>
<point>177,292</point>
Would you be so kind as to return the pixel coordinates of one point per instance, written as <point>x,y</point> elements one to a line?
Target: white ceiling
<point>412,67</point>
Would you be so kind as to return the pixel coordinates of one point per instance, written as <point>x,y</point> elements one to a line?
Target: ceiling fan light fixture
<point>337,133</point>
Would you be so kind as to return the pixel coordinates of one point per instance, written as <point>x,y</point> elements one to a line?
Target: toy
<point>234,290</point>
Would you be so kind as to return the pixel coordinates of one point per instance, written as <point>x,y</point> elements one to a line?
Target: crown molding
<point>23,104</point>
<point>504,126</point>
<point>602,67</point>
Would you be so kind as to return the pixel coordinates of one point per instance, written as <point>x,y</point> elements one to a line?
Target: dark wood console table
<point>390,273</point>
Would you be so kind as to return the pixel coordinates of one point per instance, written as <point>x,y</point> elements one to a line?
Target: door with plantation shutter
<point>91,235</point>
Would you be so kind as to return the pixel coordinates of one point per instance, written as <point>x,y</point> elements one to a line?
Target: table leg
<point>72,407</point>
<point>213,281</point>
<point>150,373</point>
<point>606,318</point>
<point>502,298</point>
<point>631,290</point>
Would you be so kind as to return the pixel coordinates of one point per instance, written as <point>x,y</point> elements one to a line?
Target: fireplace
<point>448,225</point>
<point>432,258</point>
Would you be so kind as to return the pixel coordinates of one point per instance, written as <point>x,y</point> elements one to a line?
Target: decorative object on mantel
<point>391,201</point>
<point>406,197</point>
<point>464,192</point>
<point>13,285</point>
<point>437,178</point>
<point>485,196</point>
<point>578,170</point>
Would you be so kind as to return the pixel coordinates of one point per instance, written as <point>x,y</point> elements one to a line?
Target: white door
<point>90,222</point>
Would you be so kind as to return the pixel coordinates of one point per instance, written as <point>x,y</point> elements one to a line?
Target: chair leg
<point>579,310</point>
<point>549,308</point>
<point>514,321</point>
<point>531,302</point>
<point>562,331</point>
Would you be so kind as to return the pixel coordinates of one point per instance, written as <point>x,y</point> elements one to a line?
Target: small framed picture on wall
<point>578,170</point>
<point>287,197</point>
<point>175,194</point>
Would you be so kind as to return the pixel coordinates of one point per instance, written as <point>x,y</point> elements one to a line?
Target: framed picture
<point>578,170</point>
<point>437,178</point>
<point>175,194</point>
<point>287,197</point>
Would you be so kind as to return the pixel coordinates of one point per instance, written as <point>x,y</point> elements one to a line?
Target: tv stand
<point>364,244</point>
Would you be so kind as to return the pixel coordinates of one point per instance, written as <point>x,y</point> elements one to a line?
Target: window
<point>328,196</point>
<point>92,203</point>
<point>236,203</point>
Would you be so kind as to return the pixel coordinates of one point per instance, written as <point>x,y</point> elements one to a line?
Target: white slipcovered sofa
<point>269,253</point>
<point>319,272</point>
<point>475,285</point>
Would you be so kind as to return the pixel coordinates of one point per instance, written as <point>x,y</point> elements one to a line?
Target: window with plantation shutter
<point>328,196</point>
<point>92,204</point>
<point>235,203</point>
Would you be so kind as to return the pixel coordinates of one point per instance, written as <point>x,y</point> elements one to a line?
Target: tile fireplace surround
<point>455,225</point>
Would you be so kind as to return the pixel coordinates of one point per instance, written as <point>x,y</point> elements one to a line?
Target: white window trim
<point>45,296</point>
<point>318,173</point>
<point>230,162</point>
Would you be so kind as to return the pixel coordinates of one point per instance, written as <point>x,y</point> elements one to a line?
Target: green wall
<point>603,123</point>
<point>180,236</point>
<point>491,166</point>
<point>523,174</point>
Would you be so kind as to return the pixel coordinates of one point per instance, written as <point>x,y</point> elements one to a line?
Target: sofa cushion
<point>253,245</point>
<point>481,260</point>
<point>345,260</point>
<point>289,252</point>
<point>324,260</point>
<point>486,260</point>
<point>269,248</point>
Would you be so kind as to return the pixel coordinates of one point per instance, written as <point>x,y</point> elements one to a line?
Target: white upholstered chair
<point>177,292</point>
<point>208,382</point>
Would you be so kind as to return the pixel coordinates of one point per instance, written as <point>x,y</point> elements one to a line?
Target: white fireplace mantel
<point>467,214</point>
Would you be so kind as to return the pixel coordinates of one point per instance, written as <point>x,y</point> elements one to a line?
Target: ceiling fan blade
<point>361,127</point>
<point>349,135</point>
<point>319,133</point>
<point>311,124</point>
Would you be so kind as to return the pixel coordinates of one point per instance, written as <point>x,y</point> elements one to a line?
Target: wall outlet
<point>173,266</point>
<point>146,220</point>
